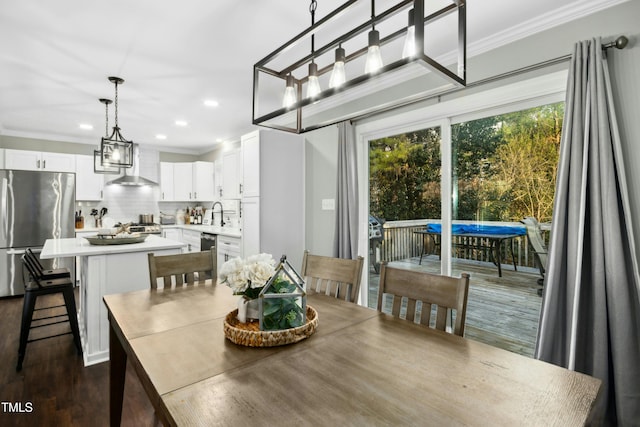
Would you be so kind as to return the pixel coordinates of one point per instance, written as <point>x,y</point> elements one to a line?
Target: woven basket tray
<point>250,335</point>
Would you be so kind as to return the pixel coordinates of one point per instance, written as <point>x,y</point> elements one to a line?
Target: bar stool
<point>43,286</point>
<point>34,262</point>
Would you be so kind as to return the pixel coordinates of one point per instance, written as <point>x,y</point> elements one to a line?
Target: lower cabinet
<point>172,233</point>
<point>228,247</point>
<point>192,239</point>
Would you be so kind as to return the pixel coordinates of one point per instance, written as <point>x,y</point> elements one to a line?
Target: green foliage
<point>504,168</point>
<point>281,313</point>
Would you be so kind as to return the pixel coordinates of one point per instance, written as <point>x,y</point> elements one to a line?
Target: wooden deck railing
<point>400,242</point>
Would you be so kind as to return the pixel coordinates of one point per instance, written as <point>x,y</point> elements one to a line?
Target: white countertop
<point>213,229</point>
<point>79,246</point>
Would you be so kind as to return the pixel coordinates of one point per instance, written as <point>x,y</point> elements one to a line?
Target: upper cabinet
<point>231,175</point>
<point>166,182</point>
<point>89,185</point>
<point>39,161</point>
<point>251,164</point>
<point>186,181</point>
<point>217,179</point>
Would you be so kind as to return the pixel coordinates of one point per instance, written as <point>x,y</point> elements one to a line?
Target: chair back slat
<point>407,287</point>
<point>534,233</point>
<point>181,269</point>
<point>337,277</point>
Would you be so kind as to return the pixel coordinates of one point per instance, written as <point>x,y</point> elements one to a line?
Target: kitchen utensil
<point>103,212</point>
<point>146,218</point>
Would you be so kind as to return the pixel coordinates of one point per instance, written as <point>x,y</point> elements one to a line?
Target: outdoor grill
<point>375,241</point>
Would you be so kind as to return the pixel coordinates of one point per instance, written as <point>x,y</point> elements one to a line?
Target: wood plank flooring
<point>501,311</point>
<point>61,391</point>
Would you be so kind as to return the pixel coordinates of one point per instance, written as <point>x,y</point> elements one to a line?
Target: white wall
<point>321,154</point>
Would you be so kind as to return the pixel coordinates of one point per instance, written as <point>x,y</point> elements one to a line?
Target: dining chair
<point>338,277</point>
<point>534,234</point>
<point>182,269</point>
<point>444,292</point>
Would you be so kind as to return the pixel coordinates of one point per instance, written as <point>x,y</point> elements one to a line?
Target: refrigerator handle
<point>3,207</point>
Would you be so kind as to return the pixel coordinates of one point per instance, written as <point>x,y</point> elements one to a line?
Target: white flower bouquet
<point>247,277</point>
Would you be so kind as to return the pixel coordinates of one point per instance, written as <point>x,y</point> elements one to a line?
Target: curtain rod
<point>619,43</point>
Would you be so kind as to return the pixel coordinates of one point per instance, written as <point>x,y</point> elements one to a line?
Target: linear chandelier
<point>98,167</point>
<point>115,151</point>
<point>403,53</point>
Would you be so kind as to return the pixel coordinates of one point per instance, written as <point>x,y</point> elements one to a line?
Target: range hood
<point>133,180</point>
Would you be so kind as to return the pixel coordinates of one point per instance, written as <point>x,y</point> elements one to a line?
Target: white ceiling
<point>55,57</point>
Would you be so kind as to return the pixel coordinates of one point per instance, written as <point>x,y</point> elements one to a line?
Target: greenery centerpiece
<point>273,295</point>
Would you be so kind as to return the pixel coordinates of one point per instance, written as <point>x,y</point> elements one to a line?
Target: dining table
<point>360,367</point>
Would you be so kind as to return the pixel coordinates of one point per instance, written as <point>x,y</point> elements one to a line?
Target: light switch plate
<point>328,204</point>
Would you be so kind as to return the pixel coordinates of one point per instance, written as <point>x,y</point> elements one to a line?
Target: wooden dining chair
<point>182,269</point>
<point>444,292</point>
<point>338,277</point>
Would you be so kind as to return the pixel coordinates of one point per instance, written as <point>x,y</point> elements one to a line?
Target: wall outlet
<point>328,204</point>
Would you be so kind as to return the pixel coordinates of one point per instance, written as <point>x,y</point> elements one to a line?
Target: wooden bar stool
<point>38,287</point>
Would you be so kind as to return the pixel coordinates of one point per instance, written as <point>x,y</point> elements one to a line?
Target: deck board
<point>501,311</point>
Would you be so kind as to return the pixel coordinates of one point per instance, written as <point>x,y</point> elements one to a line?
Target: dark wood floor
<point>61,391</point>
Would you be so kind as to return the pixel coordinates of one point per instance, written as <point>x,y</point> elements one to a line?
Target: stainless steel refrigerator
<point>34,207</point>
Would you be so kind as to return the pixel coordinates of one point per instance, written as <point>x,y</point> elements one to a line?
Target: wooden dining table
<point>361,367</point>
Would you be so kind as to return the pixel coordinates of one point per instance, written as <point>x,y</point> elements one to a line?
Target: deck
<point>501,311</point>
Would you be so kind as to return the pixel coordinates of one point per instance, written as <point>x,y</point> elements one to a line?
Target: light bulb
<point>338,75</point>
<point>116,153</point>
<point>374,59</point>
<point>289,93</point>
<point>313,84</point>
<point>409,49</point>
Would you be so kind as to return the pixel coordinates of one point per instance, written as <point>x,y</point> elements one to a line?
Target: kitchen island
<point>106,269</point>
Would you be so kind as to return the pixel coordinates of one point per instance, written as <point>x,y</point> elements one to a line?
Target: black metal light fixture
<point>379,64</point>
<point>115,150</point>
<point>98,167</point>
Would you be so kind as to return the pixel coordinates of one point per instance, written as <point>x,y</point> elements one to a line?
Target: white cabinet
<point>89,185</point>
<point>172,233</point>
<point>228,247</point>
<point>203,188</point>
<point>273,219</point>
<point>187,181</point>
<point>231,174</point>
<point>251,165</point>
<point>217,179</point>
<point>192,239</point>
<point>183,181</point>
<point>39,161</point>
<point>166,182</point>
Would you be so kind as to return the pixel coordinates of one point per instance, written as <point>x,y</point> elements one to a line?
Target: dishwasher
<point>207,242</point>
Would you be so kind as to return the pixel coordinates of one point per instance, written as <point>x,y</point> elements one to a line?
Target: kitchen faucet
<point>221,213</point>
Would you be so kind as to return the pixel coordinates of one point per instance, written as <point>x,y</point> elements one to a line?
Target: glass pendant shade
<point>409,49</point>
<point>289,93</point>
<point>374,58</point>
<point>338,75</point>
<point>313,84</point>
<point>98,166</point>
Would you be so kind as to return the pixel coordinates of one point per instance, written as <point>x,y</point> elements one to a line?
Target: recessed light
<point>161,136</point>
<point>85,126</point>
<point>211,103</point>
<point>181,123</point>
<point>219,140</point>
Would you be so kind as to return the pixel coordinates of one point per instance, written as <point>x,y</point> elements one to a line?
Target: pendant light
<point>374,58</point>
<point>338,75</point>
<point>98,167</point>
<point>313,84</point>
<point>115,150</point>
<point>290,97</point>
<point>409,49</point>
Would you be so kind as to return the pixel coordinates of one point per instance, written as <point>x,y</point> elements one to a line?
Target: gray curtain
<point>346,235</point>
<point>590,319</point>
